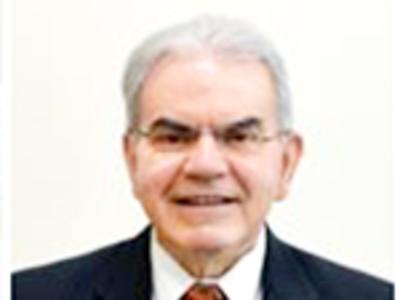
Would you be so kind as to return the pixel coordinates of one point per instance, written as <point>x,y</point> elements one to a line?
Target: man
<point>209,146</point>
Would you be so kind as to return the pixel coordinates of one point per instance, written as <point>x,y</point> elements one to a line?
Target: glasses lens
<point>170,139</point>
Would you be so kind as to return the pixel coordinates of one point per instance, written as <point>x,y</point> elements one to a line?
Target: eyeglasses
<point>245,136</point>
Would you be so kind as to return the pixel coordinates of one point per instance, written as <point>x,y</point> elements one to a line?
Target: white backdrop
<point>70,189</point>
<point>5,90</point>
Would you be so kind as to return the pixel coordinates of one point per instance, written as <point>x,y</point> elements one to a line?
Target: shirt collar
<point>170,280</point>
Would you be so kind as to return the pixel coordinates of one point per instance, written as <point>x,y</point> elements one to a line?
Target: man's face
<point>204,183</point>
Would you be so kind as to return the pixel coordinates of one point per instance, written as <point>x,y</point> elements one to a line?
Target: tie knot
<point>200,291</point>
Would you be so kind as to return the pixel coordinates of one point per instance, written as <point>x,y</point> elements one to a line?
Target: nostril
<point>205,166</point>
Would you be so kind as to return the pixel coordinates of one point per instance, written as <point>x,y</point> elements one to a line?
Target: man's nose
<point>206,160</point>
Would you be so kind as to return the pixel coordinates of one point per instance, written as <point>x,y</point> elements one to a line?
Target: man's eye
<point>238,137</point>
<point>169,138</point>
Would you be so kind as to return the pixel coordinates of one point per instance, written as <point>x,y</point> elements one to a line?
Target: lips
<point>205,200</point>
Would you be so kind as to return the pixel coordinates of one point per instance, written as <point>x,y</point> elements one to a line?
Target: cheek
<point>155,174</point>
<point>259,177</point>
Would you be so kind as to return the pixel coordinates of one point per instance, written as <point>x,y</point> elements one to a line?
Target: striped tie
<point>200,291</point>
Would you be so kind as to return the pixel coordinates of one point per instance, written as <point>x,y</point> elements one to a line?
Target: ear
<point>292,152</point>
<point>130,155</point>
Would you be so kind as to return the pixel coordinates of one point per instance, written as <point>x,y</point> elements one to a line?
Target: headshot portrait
<point>203,154</point>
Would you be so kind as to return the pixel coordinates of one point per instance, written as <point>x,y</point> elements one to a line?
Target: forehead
<point>207,88</point>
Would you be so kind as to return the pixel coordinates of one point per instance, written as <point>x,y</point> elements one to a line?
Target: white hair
<point>221,35</point>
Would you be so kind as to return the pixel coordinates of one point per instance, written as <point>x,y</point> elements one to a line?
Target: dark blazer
<point>123,272</point>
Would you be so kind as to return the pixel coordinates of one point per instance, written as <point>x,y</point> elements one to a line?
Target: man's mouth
<point>205,200</point>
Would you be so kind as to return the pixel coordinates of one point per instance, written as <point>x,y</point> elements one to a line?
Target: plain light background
<point>70,189</point>
<point>395,139</point>
<point>5,163</point>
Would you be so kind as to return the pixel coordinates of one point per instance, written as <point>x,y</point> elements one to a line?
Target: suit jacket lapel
<point>127,276</point>
<point>283,276</point>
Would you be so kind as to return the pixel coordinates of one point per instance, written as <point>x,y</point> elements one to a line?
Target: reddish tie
<point>200,291</point>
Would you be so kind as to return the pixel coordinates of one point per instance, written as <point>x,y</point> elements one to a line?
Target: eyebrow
<point>249,122</point>
<point>246,123</point>
<point>170,124</point>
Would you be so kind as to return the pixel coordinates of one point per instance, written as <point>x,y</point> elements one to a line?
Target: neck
<point>208,264</point>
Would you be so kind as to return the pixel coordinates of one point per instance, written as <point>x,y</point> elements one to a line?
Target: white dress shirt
<point>242,281</point>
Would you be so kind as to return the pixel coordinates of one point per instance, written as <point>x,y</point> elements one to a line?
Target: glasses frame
<point>217,133</point>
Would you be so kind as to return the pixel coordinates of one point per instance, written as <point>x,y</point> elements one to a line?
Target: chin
<point>209,239</point>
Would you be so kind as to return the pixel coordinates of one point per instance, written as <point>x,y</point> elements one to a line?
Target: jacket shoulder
<point>74,276</point>
<point>334,281</point>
